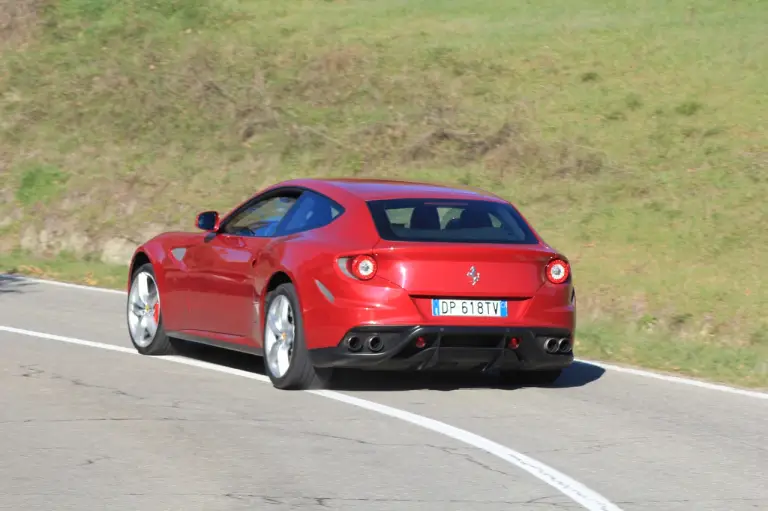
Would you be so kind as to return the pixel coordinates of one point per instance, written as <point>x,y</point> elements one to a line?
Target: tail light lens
<point>363,267</point>
<point>558,271</point>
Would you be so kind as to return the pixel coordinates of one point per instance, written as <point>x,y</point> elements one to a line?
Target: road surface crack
<point>468,457</point>
<point>91,461</point>
<point>327,502</point>
<point>32,371</point>
<point>358,441</point>
<point>447,450</point>
<point>113,419</point>
<point>80,383</point>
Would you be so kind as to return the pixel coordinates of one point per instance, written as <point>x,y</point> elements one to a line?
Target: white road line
<point>678,379</point>
<point>71,340</point>
<point>569,487</point>
<point>20,278</point>
<point>608,367</point>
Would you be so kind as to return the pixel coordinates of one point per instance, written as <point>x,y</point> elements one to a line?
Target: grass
<point>39,183</point>
<point>632,134</point>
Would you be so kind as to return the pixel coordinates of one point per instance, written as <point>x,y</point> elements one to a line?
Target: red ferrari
<point>317,274</point>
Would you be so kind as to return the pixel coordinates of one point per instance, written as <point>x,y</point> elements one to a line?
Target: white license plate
<point>470,308</point>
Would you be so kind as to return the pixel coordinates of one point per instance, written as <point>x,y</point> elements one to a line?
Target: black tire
<point>533,378</point>
<point>160,344</point>
<point>301,373</point>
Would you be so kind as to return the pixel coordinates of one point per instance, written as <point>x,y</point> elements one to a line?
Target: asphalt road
<point>83,427</point>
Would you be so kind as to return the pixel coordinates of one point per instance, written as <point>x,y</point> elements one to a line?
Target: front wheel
<point>144,315</point>
<point>286,358</point>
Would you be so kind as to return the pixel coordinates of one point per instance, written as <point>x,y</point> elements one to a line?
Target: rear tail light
<point>363,267</point>
<point>558,271</point>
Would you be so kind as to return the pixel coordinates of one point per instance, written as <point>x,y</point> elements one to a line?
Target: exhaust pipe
<point>375,343</point>
<point>551,345</point>
<point>564,345</point>
<point>354,344</point>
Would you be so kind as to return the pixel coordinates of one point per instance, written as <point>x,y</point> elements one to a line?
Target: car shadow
<point>10,283</point>
<point>577,375</point>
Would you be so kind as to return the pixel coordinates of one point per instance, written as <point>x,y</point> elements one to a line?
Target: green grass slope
<point>632,134</point>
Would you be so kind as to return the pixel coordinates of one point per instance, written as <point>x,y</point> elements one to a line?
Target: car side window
<point>312,211</point>
<point>261,218</point>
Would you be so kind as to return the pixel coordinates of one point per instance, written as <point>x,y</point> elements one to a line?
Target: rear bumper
<point>446,347</point>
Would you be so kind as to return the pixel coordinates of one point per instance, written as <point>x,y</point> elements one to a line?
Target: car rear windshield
<point>452,221</point>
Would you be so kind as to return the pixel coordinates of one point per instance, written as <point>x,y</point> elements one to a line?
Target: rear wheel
<point>286,358</point>
<point>144,315</point>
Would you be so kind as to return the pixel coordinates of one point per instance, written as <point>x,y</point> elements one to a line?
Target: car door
<point>221,269</point>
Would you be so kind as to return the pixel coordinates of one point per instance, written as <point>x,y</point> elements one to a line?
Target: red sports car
<point>317,274</point>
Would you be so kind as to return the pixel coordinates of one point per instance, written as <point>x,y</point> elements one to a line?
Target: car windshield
<point>452,221</point>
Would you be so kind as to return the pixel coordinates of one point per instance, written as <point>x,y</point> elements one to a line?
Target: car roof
<point>380,189</point>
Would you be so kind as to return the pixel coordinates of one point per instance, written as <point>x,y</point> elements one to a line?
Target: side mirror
<point>208,221</point>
